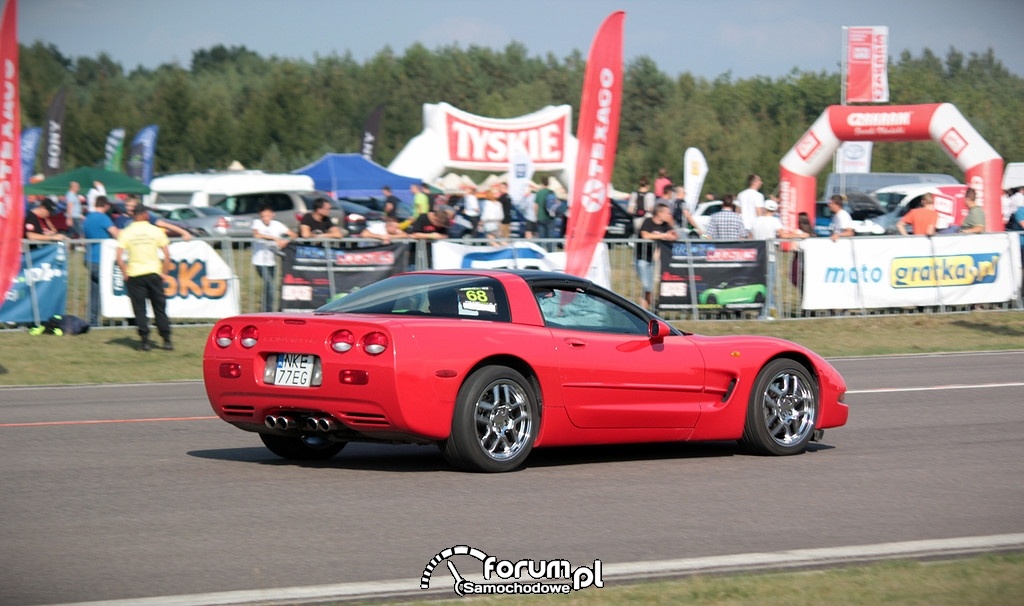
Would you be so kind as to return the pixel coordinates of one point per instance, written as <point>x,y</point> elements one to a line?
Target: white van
<point>1013,175</point>
<point>207,189</point>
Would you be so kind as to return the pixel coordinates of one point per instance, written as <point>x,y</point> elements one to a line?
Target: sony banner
<point>598,134</point>
<point>200,285</point>
<point>53,141</point>
<point>866,64</point>
<point>371,129</point>
<point>909,271</point>
<point>12,206</point>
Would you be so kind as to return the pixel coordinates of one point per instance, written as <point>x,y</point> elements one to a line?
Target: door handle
<point>575,343</point>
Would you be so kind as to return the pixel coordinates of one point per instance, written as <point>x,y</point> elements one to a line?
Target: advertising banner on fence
<point>518,255</point>
<point>314,275</point>
<point>201,285</point>
<point>869,273</point>
<point>714,275</point>
<point>44,272</point>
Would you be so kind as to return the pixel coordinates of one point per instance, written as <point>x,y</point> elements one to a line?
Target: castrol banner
<point>940,122</point>
<point>598,135</point>
<point>12,207</point>
<point>452,138</point>
<point>866,65</point>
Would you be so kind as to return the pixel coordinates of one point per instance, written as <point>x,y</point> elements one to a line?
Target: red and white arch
<point>941,122</point>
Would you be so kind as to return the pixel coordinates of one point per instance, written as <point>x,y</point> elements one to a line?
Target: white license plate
<point>294,370</point>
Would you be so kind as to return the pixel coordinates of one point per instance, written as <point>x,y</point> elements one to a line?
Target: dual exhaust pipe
<point>312,423</point>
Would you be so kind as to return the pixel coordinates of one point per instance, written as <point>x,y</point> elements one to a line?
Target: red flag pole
<point>12,204</point>
<point>598,135</point>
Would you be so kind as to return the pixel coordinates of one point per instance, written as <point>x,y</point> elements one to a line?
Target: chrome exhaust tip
<point>270,421</point>
<point>326,424</point>
<point>311,424</point>
<point>286,423</point>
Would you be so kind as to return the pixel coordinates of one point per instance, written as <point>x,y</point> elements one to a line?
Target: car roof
<point>529,275</point>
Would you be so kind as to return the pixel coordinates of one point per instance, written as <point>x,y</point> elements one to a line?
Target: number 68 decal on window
<point>473,300</point>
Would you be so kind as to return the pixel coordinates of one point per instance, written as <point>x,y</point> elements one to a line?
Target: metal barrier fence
<point>784,285</point>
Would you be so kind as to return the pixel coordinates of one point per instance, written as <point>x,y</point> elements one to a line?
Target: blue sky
<point>707,38</point>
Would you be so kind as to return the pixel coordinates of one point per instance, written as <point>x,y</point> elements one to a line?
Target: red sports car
<point>489,364</point>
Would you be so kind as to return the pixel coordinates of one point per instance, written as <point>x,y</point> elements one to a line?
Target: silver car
<point>206,221</point>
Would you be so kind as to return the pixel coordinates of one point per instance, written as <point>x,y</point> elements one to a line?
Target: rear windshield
<point>434,295</point>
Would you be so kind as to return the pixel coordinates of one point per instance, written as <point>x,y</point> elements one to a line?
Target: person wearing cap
<point>148,263</point>
<point>38,226</point>
<point>769,227</point>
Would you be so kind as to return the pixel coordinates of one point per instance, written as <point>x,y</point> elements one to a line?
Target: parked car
<point>378,365</point>
<point>898,200</point>
<point>865,183</point>
<point>290,207</point>
<point>863,209</point>
<point>205,221</point>
<point>702,214</point>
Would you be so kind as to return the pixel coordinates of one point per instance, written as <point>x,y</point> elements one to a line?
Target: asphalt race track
<point>133,491</point>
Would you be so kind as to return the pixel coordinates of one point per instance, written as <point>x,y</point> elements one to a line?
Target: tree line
<point>278,115</point>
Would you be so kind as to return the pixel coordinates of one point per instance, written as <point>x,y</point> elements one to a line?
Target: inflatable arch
<point>941,122</point>
<point>452,138</point>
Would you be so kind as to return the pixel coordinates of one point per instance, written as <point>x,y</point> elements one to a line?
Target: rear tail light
<point>248,337</point>
<point>375,343</point>
<point>342,341</point>
<point>225,335</point>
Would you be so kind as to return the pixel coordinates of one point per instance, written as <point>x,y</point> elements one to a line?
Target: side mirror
<point>656,329</point>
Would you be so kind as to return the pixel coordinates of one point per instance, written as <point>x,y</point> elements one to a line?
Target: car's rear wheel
<point>712,300</point>
<point>495,422</point>
<point>783,409</point>
<point>302,449</point>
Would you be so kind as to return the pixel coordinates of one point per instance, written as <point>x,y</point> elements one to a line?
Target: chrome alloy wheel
<point>789,408</point>
<point>503,419</point>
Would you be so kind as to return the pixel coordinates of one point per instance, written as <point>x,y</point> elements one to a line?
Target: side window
<point>280,202</point>
<point>230,204</point>
<point>578,310</point>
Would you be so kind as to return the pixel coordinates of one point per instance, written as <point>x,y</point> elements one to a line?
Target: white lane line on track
<point>933,388</point>
<point>104,421</point>
<point>797,558</point>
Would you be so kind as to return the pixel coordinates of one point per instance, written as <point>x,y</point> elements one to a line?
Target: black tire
<point>783,409</point>
<point>712,300</point>
<point>758,298</point>
<point>495,422</point>
<point>301,449</point>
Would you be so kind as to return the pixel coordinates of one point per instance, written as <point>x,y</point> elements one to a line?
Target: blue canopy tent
<point>353,177</point>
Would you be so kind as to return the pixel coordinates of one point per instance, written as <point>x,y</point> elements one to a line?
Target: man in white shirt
<point>270,234</point>
<point>94,192</point>
<point>842,223</point>
<point>750,201</point>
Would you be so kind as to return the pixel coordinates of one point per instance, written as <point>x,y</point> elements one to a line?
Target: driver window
<point>578,310</point>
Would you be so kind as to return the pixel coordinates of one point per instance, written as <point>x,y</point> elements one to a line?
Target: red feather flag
<point>598,135</point>
<point>12,206</point>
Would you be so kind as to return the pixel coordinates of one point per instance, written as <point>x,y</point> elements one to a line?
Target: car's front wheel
<point>495,421</point>
<point>301,449</point>
<point>783,409</point>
